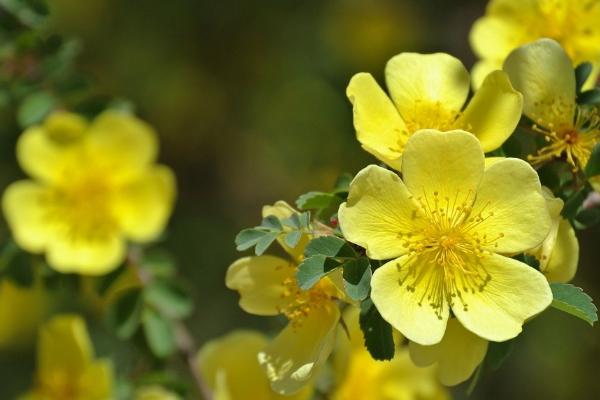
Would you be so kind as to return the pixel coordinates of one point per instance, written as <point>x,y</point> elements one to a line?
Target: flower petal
<point>422,80</point>
<point>96,381</point>
<point>405,308</point>
<point>494,112</point>
<point>511,190</point>
<point>378,125</point>
<point>291,359</point>
<point>562,263</point>
<point>481,70</point>
<point>457,355</point>
<point>514,293</point>
<point>143,205</point>
<point>493,37</point>
<point>23,206</point>
<point>259,280</point>
<point>450,163</point>
<point>543,73</point>
<point>378,210</point>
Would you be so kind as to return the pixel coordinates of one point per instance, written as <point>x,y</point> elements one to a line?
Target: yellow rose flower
<point>66,368</point>
<point>267,286</point>
<point>360,377</point>
<point>94,187</point>
<point>429,91</point>
<point>559,253</point>
<point>155,392</point>
<point>508,24</point>
<point>542,71</point>
<point>449,228</point>
<point>229,367</point>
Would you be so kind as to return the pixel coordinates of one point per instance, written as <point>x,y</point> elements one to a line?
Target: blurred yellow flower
<point>267,286</point>
<point>429,91</point>
<point>94,186</point>
<point>66,368</point>
<point>155,392</point>
<point>456,357</point>
<point>542,71</point>
<point>508,24</point>
<point>229,366</point>
<point>22,310</point>
<point>449,228</point>
<point>558,255</point>
<point>361,377</point>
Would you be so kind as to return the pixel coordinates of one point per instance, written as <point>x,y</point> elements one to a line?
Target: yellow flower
<point>361,377</point>
<point>267,286</point>
<point>66,368</point>
<point>449,227</point>
<point>456,357</point>
<point>542,72</point>
<point>155,392</point>
<point>94,187</point>
<point>559,253</point>
<point>22,310</point>
<point>508,24</point>
<point>429,91</point>
<point>229,367</point>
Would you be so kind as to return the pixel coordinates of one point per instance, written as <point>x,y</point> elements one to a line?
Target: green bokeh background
<point>249,100</point>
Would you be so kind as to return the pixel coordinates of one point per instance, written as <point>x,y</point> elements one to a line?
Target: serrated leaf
<point>573,300</point>
<point>357,278</point>
<point>248,238</point>
<point>292,238</point>
<point>379,339</point>
<point>169,298</point>
<point>159,333</point>
<point>582,73</point>
<point>271,222</point>
<point>124,315</point>
<point>312,269</point>
<point>293,221</point>
<point>593,166</point>
<point>316,200</point>
<point>329,246</point>
<point>304,219</point>
<point>497,353</point>
<point>264,242</point>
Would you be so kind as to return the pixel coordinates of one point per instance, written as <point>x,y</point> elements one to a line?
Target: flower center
<point>444,256</point>
<point>58,385</point>
<point>430,115</point>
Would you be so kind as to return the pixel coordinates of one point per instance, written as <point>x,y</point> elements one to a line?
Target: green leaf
<point>317,200</point>
<point>169,298</point>
<point>271,222</point>
<point>35,108</point>
<point>573,204</point>
<point>293,238</point>
<point>312,269</point>
<point>159,333</point>
<point>106,281</point>
<point>582,73</point>
<point>588,217</point>
<point>593,166</point>
<point>574,301</point>
<point>497,353</point>
<point>591,97</point>
<point>248,238</point>
<point>264,242</point>
<point>123,316</point>
<point>379,339</point>
<point>159,262</point>
<point>357,278</point>
<point>329,246</point>
<point>342,184</point>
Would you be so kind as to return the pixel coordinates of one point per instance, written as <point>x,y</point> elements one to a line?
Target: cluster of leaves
<point>262,236</point>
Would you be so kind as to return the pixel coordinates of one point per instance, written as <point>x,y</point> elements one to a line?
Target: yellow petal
<point>292,358</point>
<point>378,209</point>
<point>493,37</point>
<point>155,392</point>
<point>96,382</point>
<point>259,280</point>
<point>481,70</point>
<point>378,125</point>
<point>86,256</point>
<point>230,368</point>
<point>423,80</point>
<point>511,190</point>
<point>23,205</point>
<point>283,210</point>
<point>449,163</point>
<point>457,355</point>
<point>543,73</point>
<point>143,205</point>
<point>563,260</point>
<point>494,112</point>
<point>124,144</point>
<point>407,308</point>
<point>514,293</point>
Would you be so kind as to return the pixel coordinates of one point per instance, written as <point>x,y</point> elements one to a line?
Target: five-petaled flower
<point>95,186</point>
<point>429,91</point>
<point>508,24</point>
<point>449,226</point>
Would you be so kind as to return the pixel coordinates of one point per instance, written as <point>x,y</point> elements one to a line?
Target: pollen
<point>430,115</point>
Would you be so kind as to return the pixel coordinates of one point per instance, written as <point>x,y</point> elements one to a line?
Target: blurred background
<point>249,100</point>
